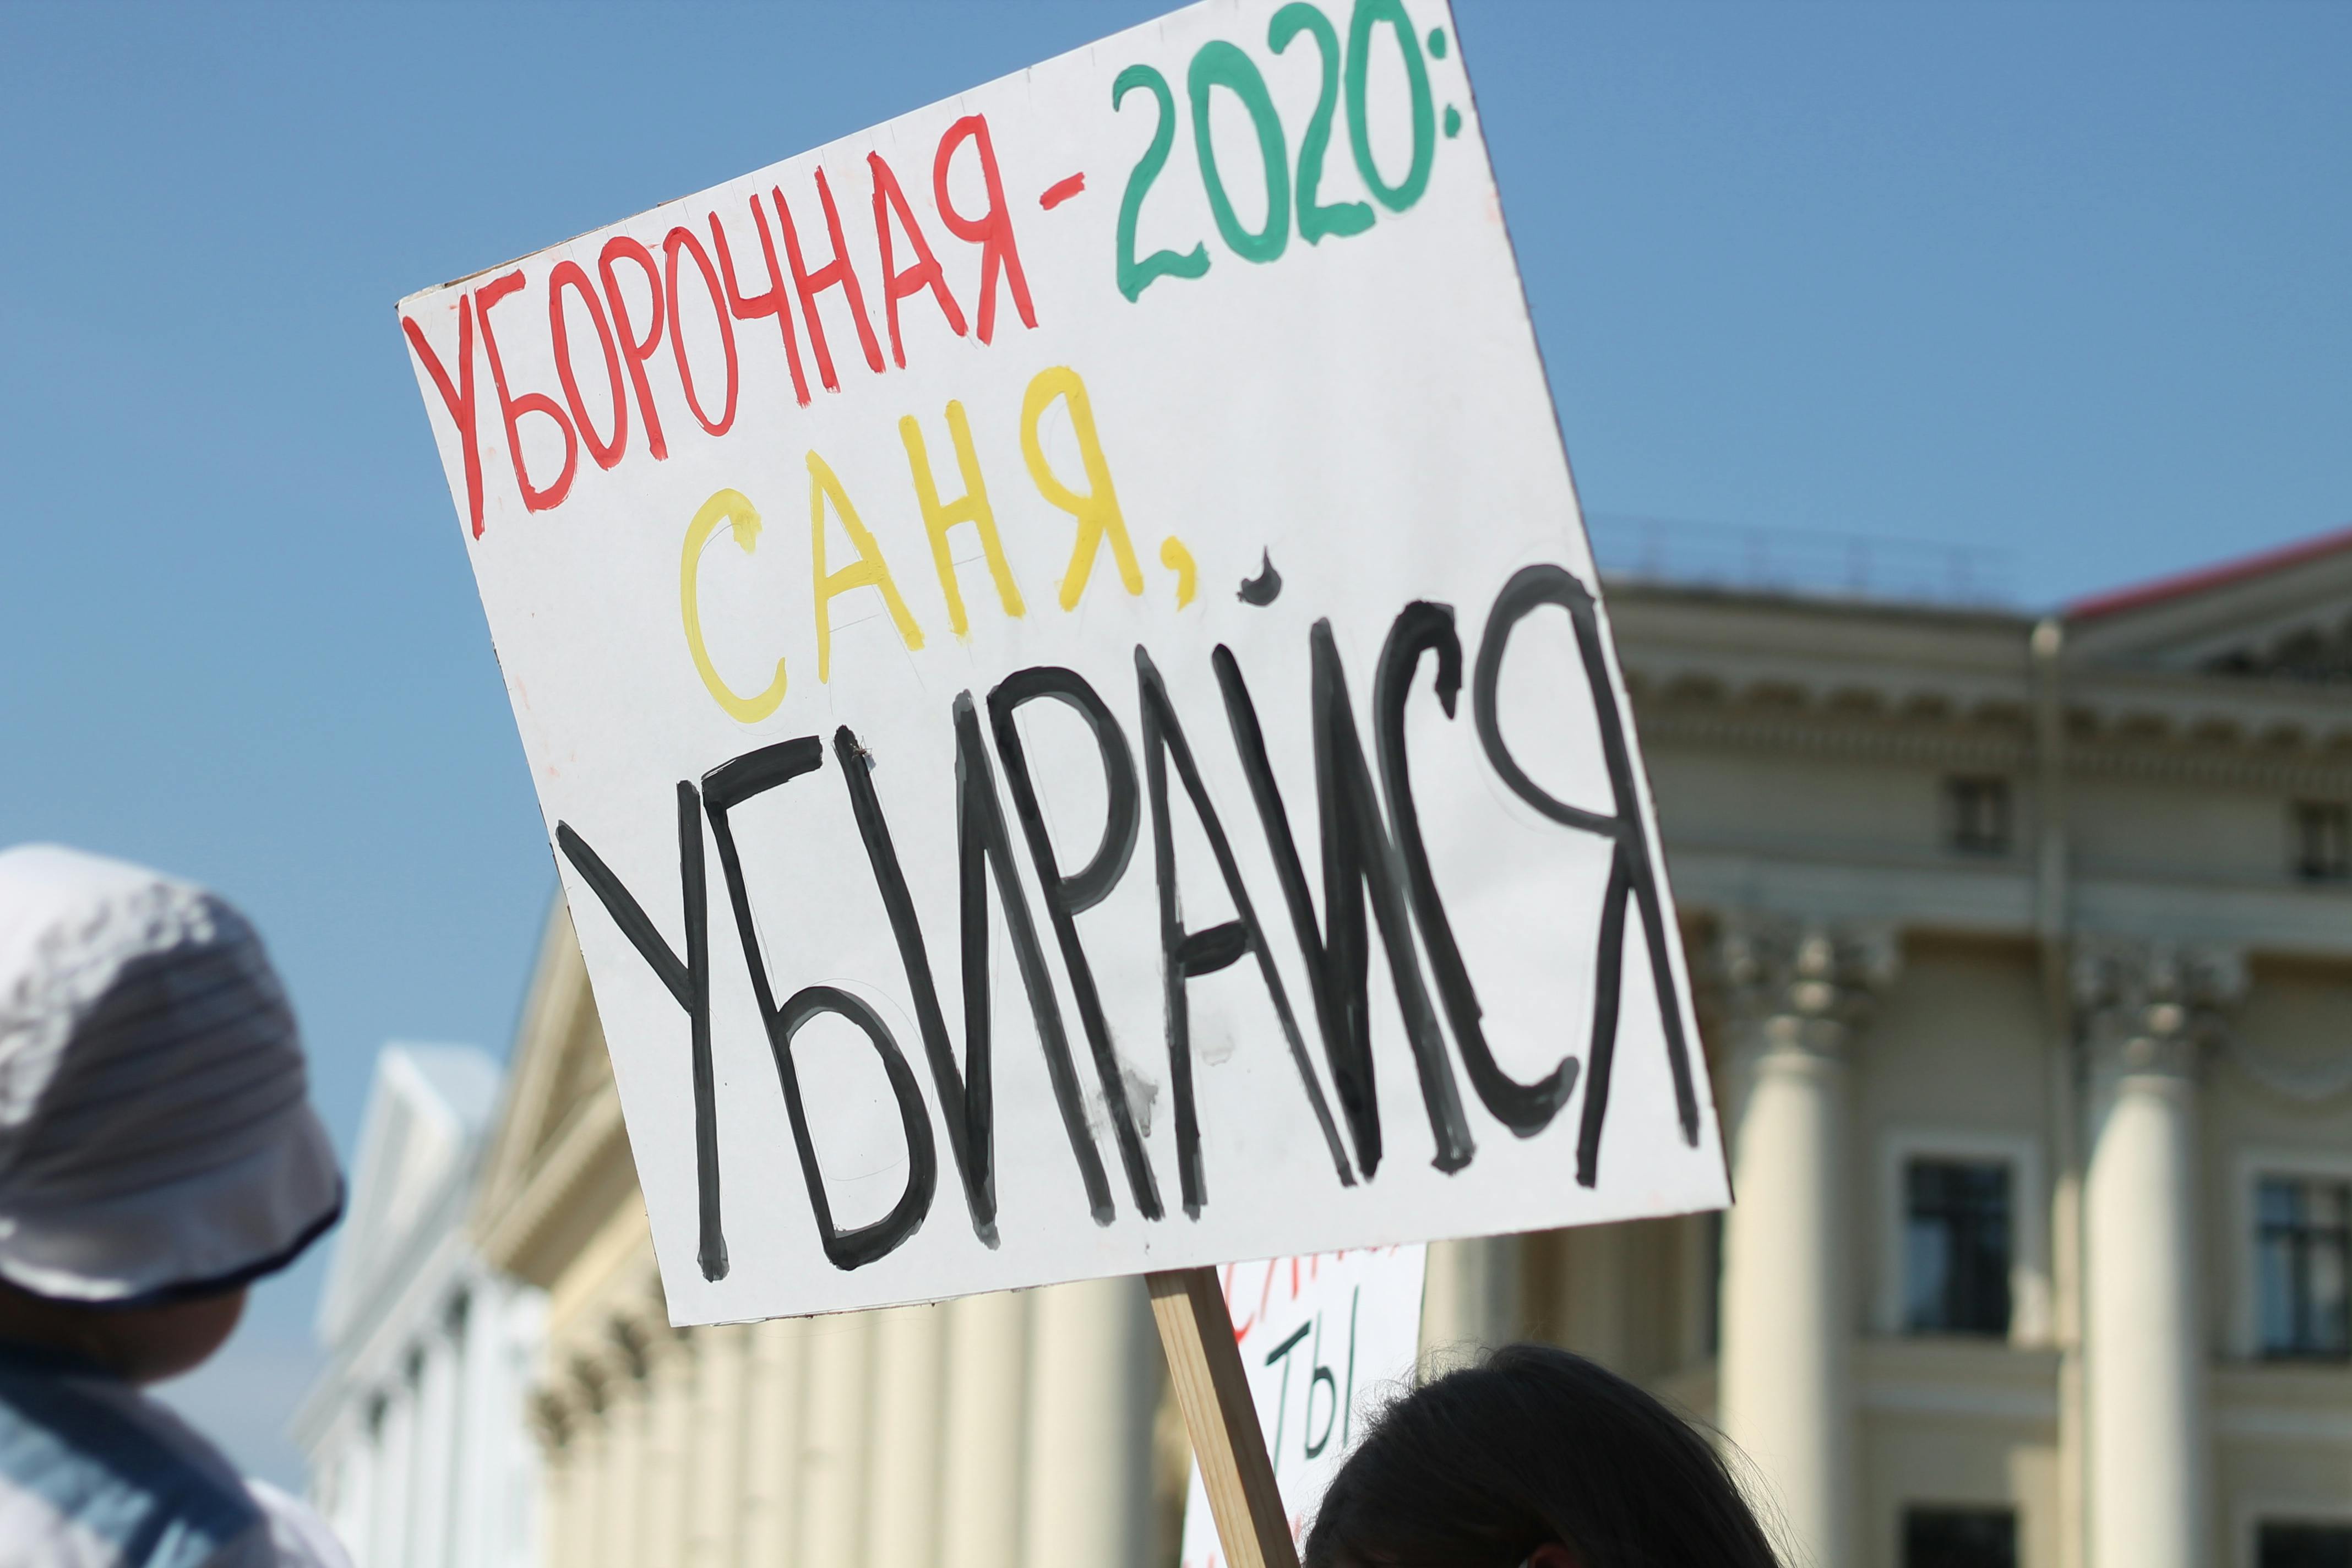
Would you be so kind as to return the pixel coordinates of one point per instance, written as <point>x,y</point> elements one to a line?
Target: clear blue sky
<point>2069,281</point>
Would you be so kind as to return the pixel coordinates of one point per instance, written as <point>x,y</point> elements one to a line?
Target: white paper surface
<point>1366,412</point>
<point>1327,1340</point>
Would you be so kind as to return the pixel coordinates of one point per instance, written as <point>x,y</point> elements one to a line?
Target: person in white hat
<point>158,1154</point>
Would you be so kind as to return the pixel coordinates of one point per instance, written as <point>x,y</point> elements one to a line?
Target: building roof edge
<point>2201,579</point>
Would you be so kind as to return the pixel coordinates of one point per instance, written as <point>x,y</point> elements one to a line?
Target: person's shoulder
<point>93,1474</point>
<point>301,1538</point>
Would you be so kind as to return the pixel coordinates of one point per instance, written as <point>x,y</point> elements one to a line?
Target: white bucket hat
<point>156,1136</point>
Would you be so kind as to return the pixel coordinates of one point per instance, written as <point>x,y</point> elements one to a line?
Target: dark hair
<point>1480,1466</point>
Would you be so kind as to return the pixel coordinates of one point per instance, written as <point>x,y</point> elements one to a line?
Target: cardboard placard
<point>1325,1340</point>
<point>1057,651</point>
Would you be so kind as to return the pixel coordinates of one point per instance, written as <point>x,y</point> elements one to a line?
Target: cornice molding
<point>2230,770</point>
<point>583,1175</point>
<point>1920,894</point>
<point>1970,744</point>
<point>1891,741</point>
<point>547,1033</point>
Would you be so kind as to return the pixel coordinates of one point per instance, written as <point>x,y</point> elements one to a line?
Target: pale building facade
<point>2027,952</point>
<point>1018,1430</point>
<point>2025,955</point>
<point>420,1452</point>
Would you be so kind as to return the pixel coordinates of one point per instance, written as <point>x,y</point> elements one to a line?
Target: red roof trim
<point>2180,585</point>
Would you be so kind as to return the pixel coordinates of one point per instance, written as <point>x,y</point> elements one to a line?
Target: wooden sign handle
<point>1205,1365</point>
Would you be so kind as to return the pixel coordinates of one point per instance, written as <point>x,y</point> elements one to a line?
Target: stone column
<point>671,1374</point>
<point>1592,1274</point>
<point>979,1479</point>
<point>592,1503</point>
<point>902,1526</point>
<point>1798,990</point>
<point>833,1450</point>
<point>716,1444</point>
<point>561,1415</point>
<point>777,1389</point>
<point>1470,1301</point>
<point>356,1488</point>
<point>574,1419</point>
<point>459,1459</point>
<point>397,1495</point>
<point>621,1502</point>
<point>1091,1386</point>
<point>2145,1008</point>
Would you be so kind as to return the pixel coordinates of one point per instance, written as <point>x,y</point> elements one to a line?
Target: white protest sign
<point>1325,1340</point>
<point>1063,670</point>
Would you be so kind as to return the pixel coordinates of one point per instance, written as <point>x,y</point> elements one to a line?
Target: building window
<point>2303,1254</point>
<point>2319,840</point>
<point>2284,1544</point>
<point>1976,815</point>
<point>1960,1538</point>
<point>1956,1248</point>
